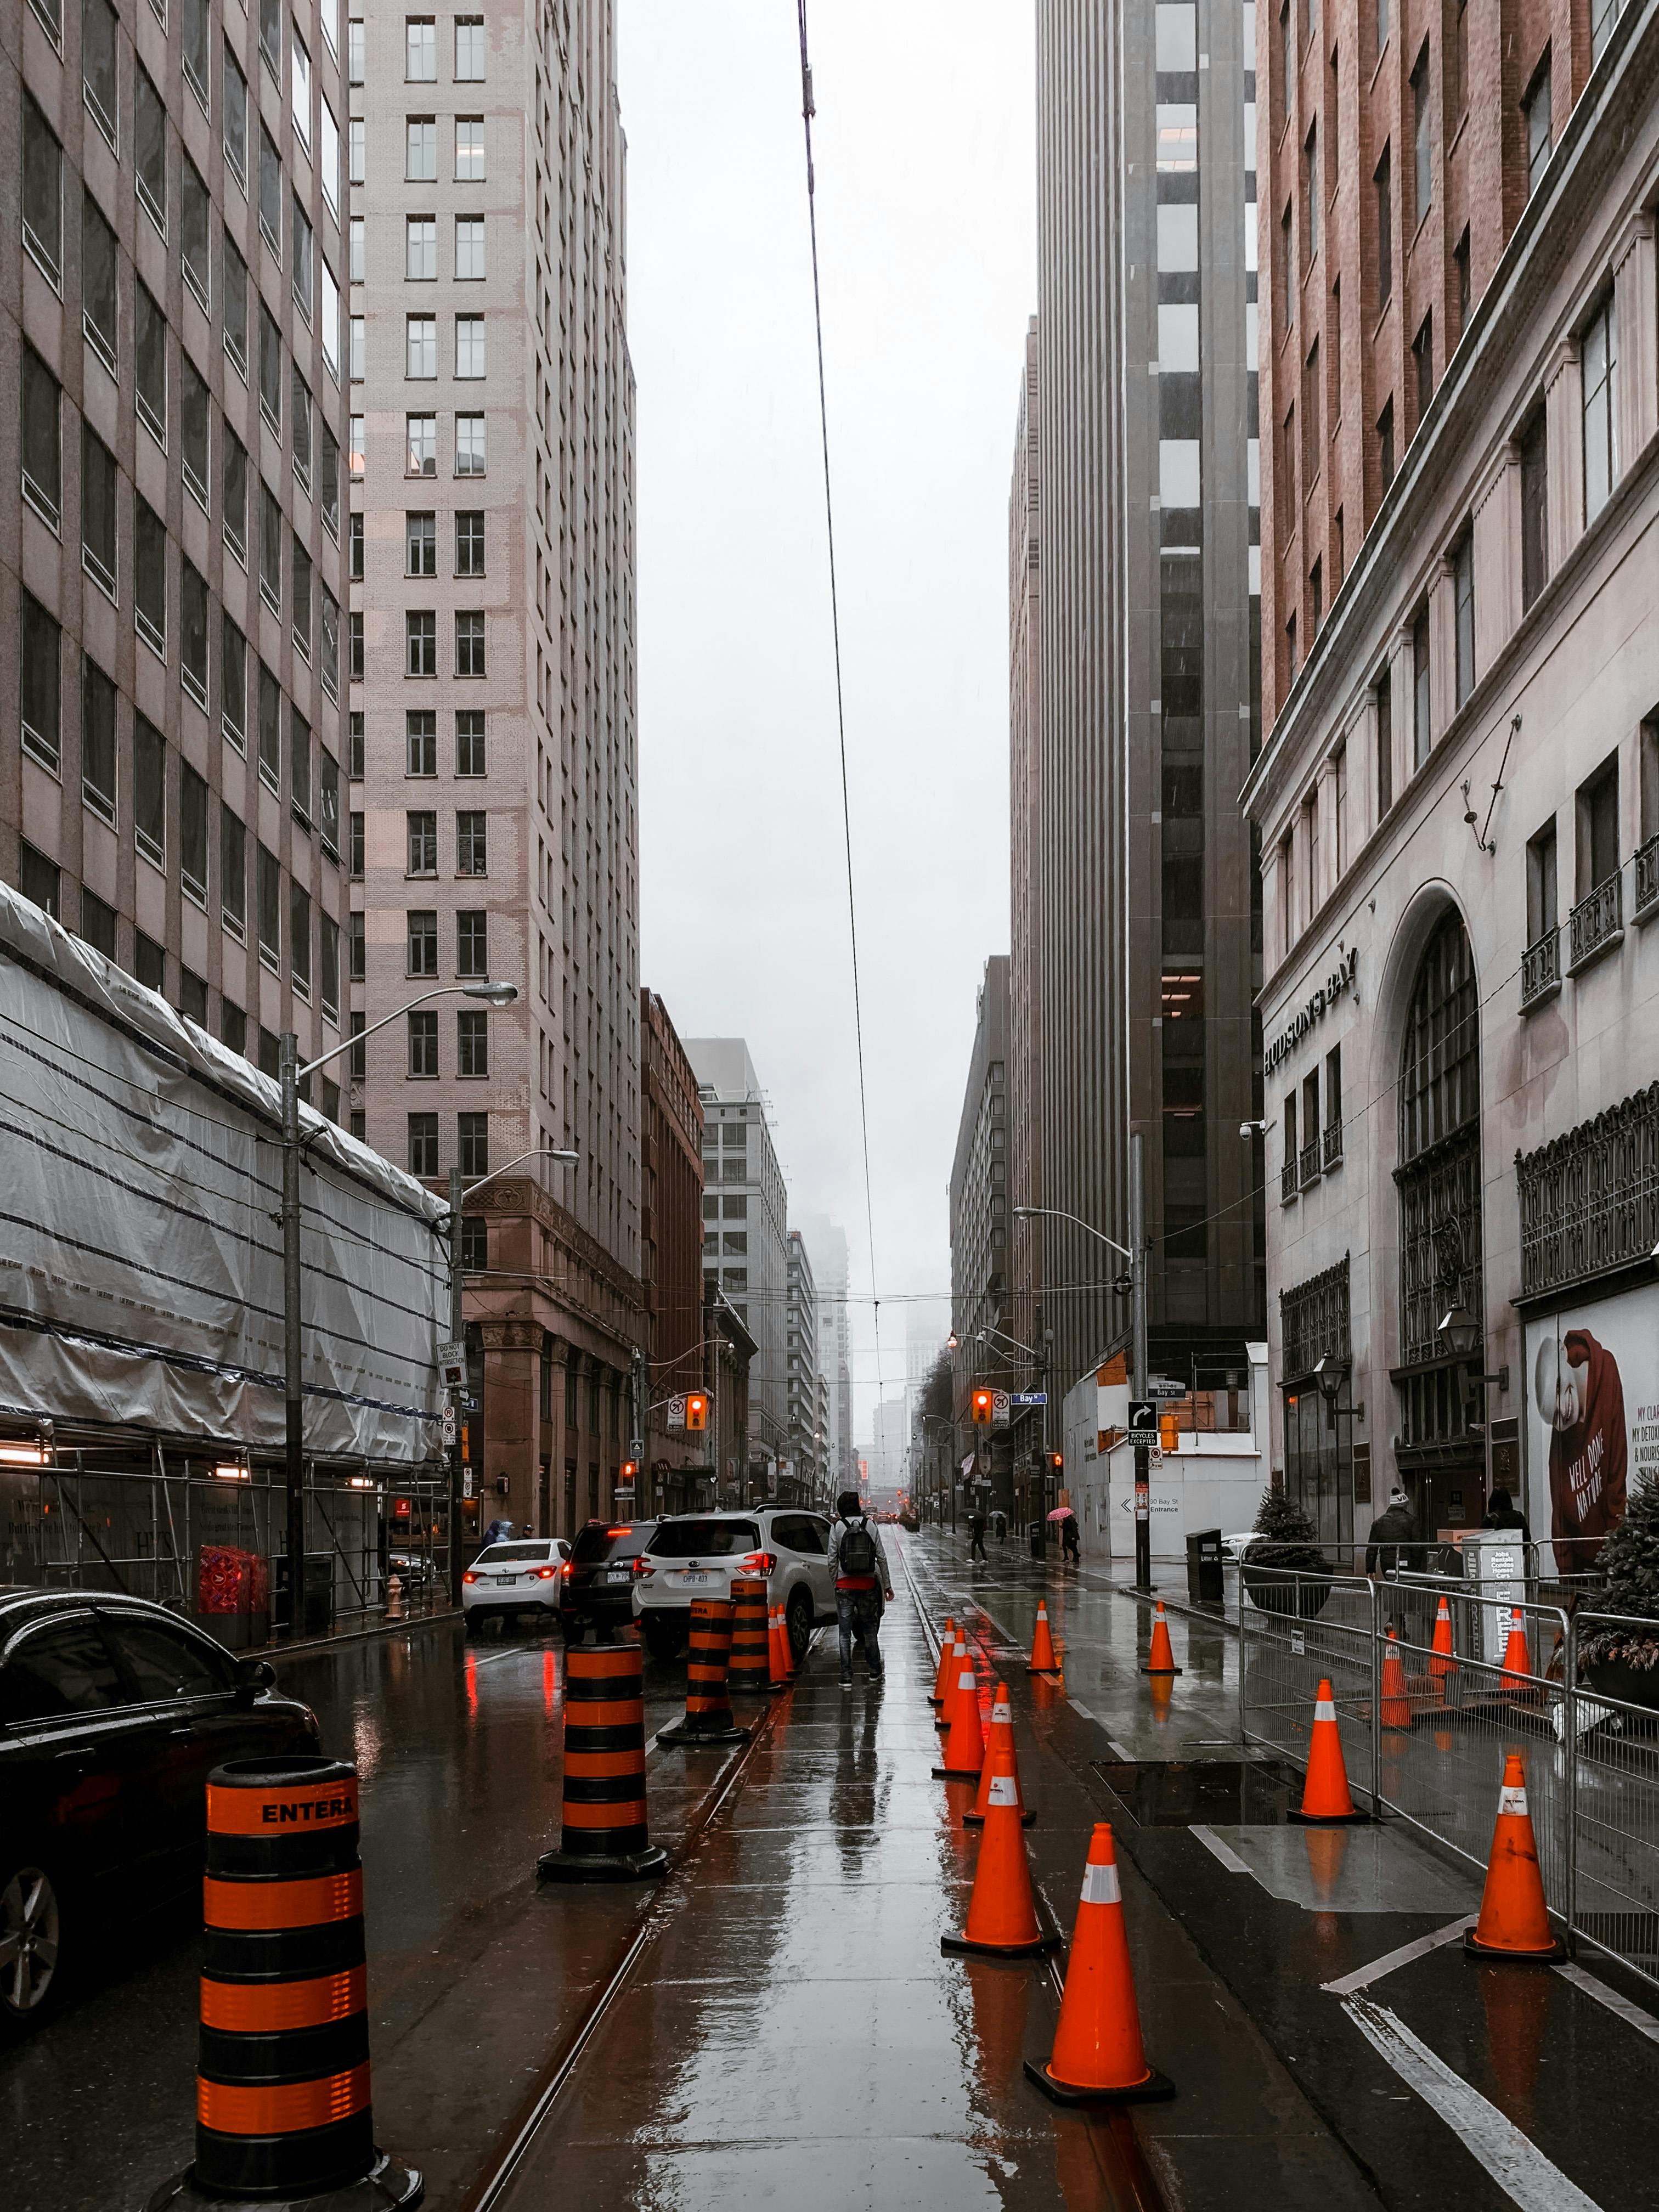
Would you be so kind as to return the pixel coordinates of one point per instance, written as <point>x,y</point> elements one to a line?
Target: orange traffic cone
<point>1515,1922</point>
<point>1098,2056</point>
<point>1326,1800</point>
<point>1002,1914</point>
<point>781,1658</point>
<point>1160,1659</point>
<point>947,1712</point>
<point>942,1675</point>
<point>1042,1660</point>
<point>1517,1660</point>
<point>1001,1739</point>
<point>1441,1661</point>
<point>964,1747</point>
<point>1396,1705</point>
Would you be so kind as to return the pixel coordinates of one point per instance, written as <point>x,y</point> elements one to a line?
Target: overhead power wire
<point>808,111</point>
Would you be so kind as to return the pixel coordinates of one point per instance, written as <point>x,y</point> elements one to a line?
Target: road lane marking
<point>1078,1706</point>
<point>1120,1751</point>
<point>1532,2181</point>
<point>1642,2022</point>
<point>1228,1857</point>
<point>1005,1634</point>
<point>1363,1977</point>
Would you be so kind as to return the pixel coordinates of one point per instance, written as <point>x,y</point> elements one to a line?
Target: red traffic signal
<point>627,1471</point>
<point>984,1405</point>
<point>696,1409</point>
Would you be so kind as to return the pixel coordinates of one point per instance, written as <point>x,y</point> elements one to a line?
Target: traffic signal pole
<point>1138,1294</point>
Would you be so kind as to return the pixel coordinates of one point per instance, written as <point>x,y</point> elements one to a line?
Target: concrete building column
<point>1634,307</point>
<point>512,1349</point>
<point>1497,558</point>
<point>1563,422</point>
<point>1443,651</point>
<point>1325,800</point>
<point>1400,692</point>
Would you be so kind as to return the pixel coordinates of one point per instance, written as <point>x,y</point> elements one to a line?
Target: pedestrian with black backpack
<point>859,1567</point>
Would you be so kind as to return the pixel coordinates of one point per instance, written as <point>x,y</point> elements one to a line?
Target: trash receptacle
<point>1037,1533</point>
<point>1205,1585</point>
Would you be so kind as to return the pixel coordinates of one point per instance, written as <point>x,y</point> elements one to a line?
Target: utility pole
<point>287,1065</point>
<point>1138,1295</point>
<point>457,1335</point>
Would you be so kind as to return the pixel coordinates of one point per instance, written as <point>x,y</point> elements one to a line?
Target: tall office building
<point>979,1208</point>
<point>803,1443</point>
<point>1025,855</point>
<point>671,1248</point>
<point>745,1243</point>
<point>832,1276</point>
<point>171,524</point>
<point>494,799</point>
<point>1147,942</point>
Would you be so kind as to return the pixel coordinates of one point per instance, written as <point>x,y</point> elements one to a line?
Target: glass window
<point>41,683</point>
<point>97,740</point>
<point>354,49</point>
<point>421,150</point>
<point>469,50</point>
<point>97,510</point>
<point>354,251</point>
<point>271,369</point>
<point>422,1045</point>
<point>150,778</point>
<point>354,635</point>
<point>331,329</point>
<point>193,833</point>
<point>470,642</point>
<point>234,94</point>
<point>270,37</point>
<point>469,542</point>
<point>357,962</point>
<point>422,346</point>
<point>233,683</point>
<point>193,420</point>
<point>1463,597</point>
<point>64,1668</point>
<point>356,168</point>
<point>42,456</point>
<point>1598,359</point>
<point>97,65</point>
<point>328,482</point>
<point>421,734</point>
<point>421,544</point>
<point>356,458</point>
<point>424,1143</point>
<point>233,872</point>
<point>43,192</point>
<point>98,925</point>
<point>423,828</point>
<point>151,358</point>
<point>471,944</point>
<point>299,922</point>
<point>233,303</point>
<point>472,1043</point>
<point>357,363</point>
<point>1422,735</point>
<point>469,445</point>
<point>193,231</point>
<point>1422,136</point>
<point>469,246</point>
<point>299,572</point>
<point>470,741</point>
<point>472,1143</point>
<point>423,445</point>
<point>150,149</point>
<point>302,258</point>
<point>150,575</point>
<point>193,632</point>
<point>234,481</point>
<point>299,755</point>
<point>1534,507</point>
<point>355,842</point>
<point>423,943</point>
<point>97,279</point>
<point>328,657</point>
<point>419,50</point>
<point>471,844</point>
<point>421,630</point>
<point>1536,106</point>
<point>420,248</point>
<point>469,149</point>
<point>355,747</point>
<point>271,192</point>
<point>270,729</point>
<point>301,72</point>
<point>328,15</point>
<point>270,888</point>
<point>299,402</point>
<point>468,345</point>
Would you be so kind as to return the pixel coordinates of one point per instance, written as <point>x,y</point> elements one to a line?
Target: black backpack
<point>858,1549</point>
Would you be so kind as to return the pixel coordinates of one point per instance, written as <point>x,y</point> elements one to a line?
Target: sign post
<point>1137,1380</point>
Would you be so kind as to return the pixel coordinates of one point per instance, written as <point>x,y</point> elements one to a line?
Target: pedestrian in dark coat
<point>1390,1546</point>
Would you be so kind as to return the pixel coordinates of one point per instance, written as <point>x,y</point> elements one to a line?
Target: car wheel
<point>31,1939</point>
<point>662,1638</point>
<point>470,1625</point>
<point>798,1616</point>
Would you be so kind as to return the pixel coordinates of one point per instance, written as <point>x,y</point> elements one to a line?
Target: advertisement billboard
<point>1592,1376</point>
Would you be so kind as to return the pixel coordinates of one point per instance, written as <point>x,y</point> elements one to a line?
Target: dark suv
<point>596,1582</point>
<point>113,1712</point>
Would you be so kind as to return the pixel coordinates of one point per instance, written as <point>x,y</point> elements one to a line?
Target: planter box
<point>1272,1594</point>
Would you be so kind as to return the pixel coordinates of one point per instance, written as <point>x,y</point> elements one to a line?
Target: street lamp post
<point>1136,1256</point>
<point>291,1075</point>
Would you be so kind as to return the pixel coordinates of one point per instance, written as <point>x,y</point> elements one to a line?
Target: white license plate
<point>619,1575</point>
<point>508,1578</point>
<point>697,1581</point>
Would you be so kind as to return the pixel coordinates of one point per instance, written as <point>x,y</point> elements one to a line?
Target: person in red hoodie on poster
<point>1581,1397</point>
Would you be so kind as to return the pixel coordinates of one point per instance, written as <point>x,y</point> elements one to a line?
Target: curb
<point>312,1646</point>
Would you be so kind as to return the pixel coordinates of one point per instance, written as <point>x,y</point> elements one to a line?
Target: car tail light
<point>643,1566</point>
<point>762,1562</point>
<point>468,1577</point>
<point>546,1574</point>
<point>567,1570</point>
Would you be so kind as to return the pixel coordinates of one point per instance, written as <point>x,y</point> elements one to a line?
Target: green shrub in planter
<point>1285,1540</point>
<point>1624,1662</point>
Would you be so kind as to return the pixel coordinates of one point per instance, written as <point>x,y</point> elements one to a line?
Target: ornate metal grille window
<point>1647,878</point>
<point>1313,1321</point>
<point>1589,1199</point>
<point>1598,922</point>
<point>1439,1179</point>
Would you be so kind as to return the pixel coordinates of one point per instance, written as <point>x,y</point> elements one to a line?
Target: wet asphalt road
<point>787,2031</point>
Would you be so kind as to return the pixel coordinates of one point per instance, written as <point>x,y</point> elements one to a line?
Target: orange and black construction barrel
<point>282,2108</point>
<point>606,1836</point>
<point>708,1699</point>
<point>752,1664</point>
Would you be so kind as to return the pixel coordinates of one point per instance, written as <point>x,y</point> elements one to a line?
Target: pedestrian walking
<point>976,1533</point>
<point>1068,1539</point>
<point>1500,1513</point>
<point>859,1567</point>
<point>1389,1546</point>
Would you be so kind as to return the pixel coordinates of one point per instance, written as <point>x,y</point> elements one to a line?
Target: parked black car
<point>112,1713</point>
<point>596,1582</point>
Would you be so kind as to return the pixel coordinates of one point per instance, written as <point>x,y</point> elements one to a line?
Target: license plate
<point>697,1581</point>
<point>509,1578</point>
<point>619,1575</point>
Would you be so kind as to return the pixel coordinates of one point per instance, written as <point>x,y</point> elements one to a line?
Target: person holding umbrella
<point>1070,1548</point>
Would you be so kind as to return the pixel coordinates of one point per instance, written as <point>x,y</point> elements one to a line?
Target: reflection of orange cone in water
<point>1396,1705</point>
<point>999,2001</point>
<point>1097,2052</point>
<point>1517,1660</point>
<point>1002,1915</point>
<point>1325,1795</point>
<point>964,1747</point>
<point>1160,1659</point>
<point>779,1657</point>
<point>1517,2011</point>
<point>1042,1660</point>
<point>1441,1661</point>
<point>1514,1922</point>
<point>942,1675</point>
<point>1327,1849</point>
<point>1161,1690</point>
<point>947,1711</point>
<point>1001,1738</point>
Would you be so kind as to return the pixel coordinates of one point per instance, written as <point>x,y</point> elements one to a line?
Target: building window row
<point>422,442</point>
<point>471,1144</point>
<point>421,150</point>
<point>471,1045</point>
<point>471,944</point>
<point>420,642</point>
<point>421,50</point>
<point>472,841</point>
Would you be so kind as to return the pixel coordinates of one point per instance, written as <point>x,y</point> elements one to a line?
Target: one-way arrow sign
<point>1143,1420</point>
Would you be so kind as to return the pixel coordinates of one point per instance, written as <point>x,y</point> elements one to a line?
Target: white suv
<point>696,1555</point>
<point>513,1579</point>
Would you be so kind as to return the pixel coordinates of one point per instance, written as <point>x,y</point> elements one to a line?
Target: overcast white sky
<point>925,158</point>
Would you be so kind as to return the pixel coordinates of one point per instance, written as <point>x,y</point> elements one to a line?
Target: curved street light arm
<point>1058,1213</point>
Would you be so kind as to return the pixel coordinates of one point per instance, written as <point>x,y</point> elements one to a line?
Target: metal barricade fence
<point>1614,1897</point>
<point>1295,1630</point>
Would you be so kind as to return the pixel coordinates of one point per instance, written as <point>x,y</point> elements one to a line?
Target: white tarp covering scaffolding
<point>141,1262</point>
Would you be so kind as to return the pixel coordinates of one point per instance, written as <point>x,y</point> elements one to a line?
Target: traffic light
<point>983,1408</point>
<point>626,1474</point>
<point>1057,1462</point>
<point>696,1409</point>
<point>1166,1433</point>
